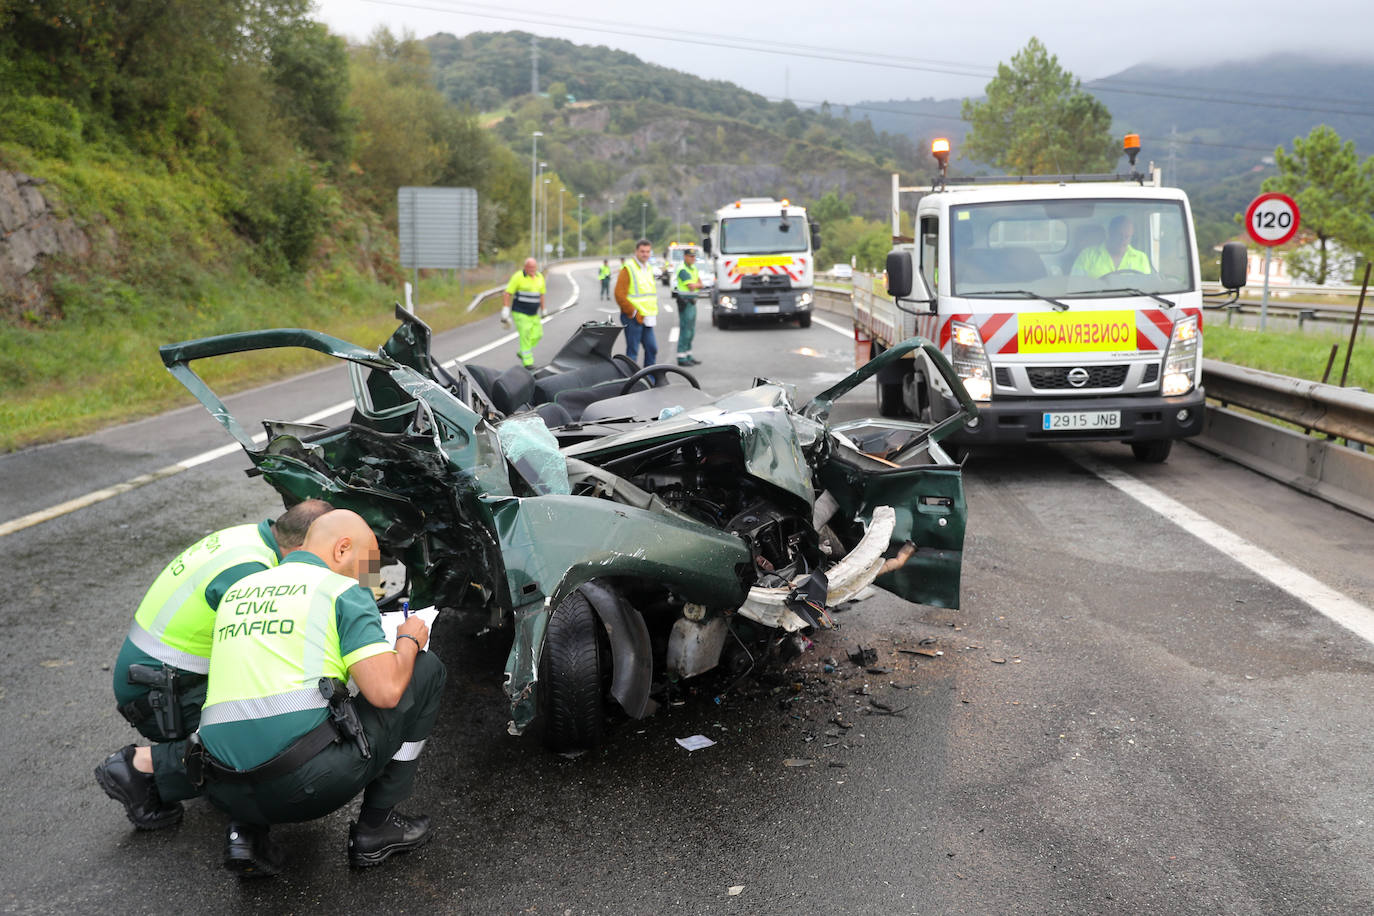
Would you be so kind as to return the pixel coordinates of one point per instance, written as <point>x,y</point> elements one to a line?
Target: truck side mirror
<point>899,274</point>
<point>815,237</point>
<point>705,228</point>
<point>1234,265</point>
<point>706,244</point>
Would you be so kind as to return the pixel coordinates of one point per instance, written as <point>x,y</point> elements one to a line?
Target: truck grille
<point>1052,377</point>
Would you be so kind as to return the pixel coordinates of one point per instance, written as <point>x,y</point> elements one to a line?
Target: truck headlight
<point>803,300</point>
<point>970,360</point>
<point>727,301</point>
<point>1181,359</point>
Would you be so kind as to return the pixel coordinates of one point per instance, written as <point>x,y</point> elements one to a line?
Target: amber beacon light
<point>939,148</point>
<point>1131,145</point>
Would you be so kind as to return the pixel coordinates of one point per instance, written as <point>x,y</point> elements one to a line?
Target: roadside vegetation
<point>1298,354</point>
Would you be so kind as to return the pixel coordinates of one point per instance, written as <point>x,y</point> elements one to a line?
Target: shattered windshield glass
<point>1071,248</point>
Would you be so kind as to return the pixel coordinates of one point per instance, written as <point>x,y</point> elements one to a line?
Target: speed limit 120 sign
<point>1272,219</point>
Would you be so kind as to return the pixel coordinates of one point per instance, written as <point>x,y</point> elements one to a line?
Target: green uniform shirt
<point>276,634</point>
<point>132,654</point>
<point>686,276</point>
<point>1097,261</point>
<point>525,292</point>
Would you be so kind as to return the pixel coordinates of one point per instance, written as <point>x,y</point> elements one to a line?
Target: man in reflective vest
<point>524,304</point>
<point>604,275</point>
<point>637,296</point>
<point>159,675</point>
<point>1115,254</point>
<point>685,286</point>
<point>280,741</point>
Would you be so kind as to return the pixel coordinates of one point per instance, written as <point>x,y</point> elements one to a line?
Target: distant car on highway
<point>842,272</point>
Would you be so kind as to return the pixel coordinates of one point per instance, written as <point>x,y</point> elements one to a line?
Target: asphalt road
<point>1126,716</point>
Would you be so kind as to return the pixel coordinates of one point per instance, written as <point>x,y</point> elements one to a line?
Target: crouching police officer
<point>279,739</point>
<point>159,675</point>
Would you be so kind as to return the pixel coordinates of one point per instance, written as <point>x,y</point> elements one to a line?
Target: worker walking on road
<point>604,275</point>
<point>160,672</point>
<point>523,303</point>
<point>637,295</point>
<point>685,286</point>
<point>280,738</point>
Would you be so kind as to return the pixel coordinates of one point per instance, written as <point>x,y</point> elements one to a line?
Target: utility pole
<point>539,217</point>
<point>580,249</point>
<point>643,219</point>
<point>561,191</point>
<point>534,65</point>
<point>1171,167</point>
<point>610,226</point>
<point>545,246</point>
<point>534,185</point>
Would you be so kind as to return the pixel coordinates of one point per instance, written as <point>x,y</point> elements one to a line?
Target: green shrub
<point>45,125</point>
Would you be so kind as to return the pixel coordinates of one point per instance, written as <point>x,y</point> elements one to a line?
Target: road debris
<point>736,890</point>
<point>695,742</point>
<point>864,656</point>
<point>798,762</point>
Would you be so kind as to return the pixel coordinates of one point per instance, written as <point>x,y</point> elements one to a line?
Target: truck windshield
<point>1072,248</point>
<point>763,235</point>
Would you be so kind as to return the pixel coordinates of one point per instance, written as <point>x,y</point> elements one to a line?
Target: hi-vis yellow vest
<point>276,635</point>
<point>643,295</point>
<point>174,621</point>
<point>684,287</point>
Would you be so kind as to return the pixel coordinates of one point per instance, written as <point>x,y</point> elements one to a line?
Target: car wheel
<point>804,320</point>
<point>572,677</point>
<point>1155,452</point>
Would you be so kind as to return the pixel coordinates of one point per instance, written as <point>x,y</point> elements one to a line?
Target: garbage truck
<point>1070,307</point>
<point>763,254</point>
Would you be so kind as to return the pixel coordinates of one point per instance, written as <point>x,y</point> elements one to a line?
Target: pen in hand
<point>405,608</point>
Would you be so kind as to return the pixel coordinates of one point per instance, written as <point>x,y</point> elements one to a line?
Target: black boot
<point>136,791</point>
<point>249,852</point>
<point>398,833</point>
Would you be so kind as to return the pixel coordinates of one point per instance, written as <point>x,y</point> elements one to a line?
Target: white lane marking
<point>847,332</point>
<point>1345,611</point>
<point>97,496</point>
<point>672,335</point>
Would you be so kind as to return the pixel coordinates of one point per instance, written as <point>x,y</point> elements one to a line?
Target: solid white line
<point>672,335</point>
<point>97,496</point>
<point>1345,611</point>
<point>847,332</point>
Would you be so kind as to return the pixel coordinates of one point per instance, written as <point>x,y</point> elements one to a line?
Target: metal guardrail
<point>1211,287</point>
<point>1345,413</point>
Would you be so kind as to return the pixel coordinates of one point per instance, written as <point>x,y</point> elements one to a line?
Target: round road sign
<point>1272,219</point>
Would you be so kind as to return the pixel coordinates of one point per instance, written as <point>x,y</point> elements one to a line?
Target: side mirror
<point>1234,264</point>
<point>815,237</point>
<point>706,244</point>
<point>705,228</point>
<point>899,274</point>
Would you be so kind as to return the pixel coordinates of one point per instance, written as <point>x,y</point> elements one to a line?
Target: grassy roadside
<point>1293,353</point>
<point>79,375</point>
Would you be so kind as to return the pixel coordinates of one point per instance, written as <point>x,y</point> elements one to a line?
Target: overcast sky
<point>970,36</point>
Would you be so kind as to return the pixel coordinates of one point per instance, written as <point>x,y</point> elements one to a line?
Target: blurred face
<point>1119,235</point>
<point>689,259</point>
<point>642,253</point>
<point>531,266</point>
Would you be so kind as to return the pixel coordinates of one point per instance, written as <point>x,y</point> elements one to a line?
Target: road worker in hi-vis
<point>280,738</point>
<point>524,304</point>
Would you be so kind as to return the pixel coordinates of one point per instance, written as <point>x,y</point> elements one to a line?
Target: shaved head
<point>531,266</point>
<point>343,540</point>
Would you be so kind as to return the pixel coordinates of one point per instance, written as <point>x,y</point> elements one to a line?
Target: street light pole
<point>580,249</point>
<point>536,244</point>
<point>544,237</point>
<point>534,182</point>
<point>610,227</point>
<point>643,217</point>
<point>561,191</point>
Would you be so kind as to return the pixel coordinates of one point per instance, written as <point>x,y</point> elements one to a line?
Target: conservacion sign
<point>1064,332</point>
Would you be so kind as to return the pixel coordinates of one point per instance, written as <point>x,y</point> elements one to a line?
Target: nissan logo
<point>1078,377</point>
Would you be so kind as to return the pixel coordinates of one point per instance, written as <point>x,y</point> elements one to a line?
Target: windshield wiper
<point>1138,292</point>
<point>1061,306</point>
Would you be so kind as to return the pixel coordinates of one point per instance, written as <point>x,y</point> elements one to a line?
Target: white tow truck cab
<point>763,253</point>
<point>1071,308</point>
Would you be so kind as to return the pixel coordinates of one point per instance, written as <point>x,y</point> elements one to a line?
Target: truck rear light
<point>970,360</point>
<point>1181,362</point>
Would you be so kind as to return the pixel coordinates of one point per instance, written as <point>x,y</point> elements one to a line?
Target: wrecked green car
<point>592,513</point>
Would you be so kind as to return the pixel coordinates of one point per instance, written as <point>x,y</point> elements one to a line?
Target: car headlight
<point>727,301</point>
<point>970,360</point>
<point>804,300</point>
<point>1181,360</point>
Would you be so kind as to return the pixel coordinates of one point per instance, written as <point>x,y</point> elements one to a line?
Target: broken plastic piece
<point>864,656</point>
<point>695,742</point>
